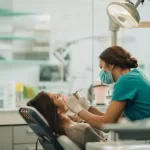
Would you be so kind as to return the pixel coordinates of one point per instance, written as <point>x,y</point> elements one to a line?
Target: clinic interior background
<point>73,20</point>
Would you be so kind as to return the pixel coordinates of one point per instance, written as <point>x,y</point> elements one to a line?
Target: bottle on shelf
<point>19,94</point>
<point>10,95</point>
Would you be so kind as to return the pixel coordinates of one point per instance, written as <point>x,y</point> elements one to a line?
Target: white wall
<point>72,19</point>
<point>6,4</point>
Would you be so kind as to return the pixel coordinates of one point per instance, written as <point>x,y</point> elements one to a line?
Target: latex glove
<point>76,118</point>
<point>83,101</point>
<point>73,104</point>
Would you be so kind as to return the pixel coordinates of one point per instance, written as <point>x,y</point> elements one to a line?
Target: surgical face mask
<point>106,77</point>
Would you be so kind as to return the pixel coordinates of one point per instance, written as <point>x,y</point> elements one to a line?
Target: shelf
<point>7,12</point>
<point>20,38</point>
<point>9,109</point>
<point>33,28</point>
<point>52,83</point>
<point>24,62</point>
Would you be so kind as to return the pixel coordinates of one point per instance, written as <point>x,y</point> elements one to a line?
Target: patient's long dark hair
<point>48,109</point>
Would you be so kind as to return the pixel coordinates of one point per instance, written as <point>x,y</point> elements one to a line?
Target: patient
<point>54,109</point>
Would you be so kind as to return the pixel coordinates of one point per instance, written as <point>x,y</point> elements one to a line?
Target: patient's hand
<point>76,118</point>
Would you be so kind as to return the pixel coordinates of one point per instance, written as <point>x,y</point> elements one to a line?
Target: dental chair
<point>138,130</point>
<point>131,136</point>
<point>40,126</point>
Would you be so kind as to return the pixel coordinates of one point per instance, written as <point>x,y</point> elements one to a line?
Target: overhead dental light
<point>124,13</point>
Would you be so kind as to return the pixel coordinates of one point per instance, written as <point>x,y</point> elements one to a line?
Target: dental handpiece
<point>77,92</point>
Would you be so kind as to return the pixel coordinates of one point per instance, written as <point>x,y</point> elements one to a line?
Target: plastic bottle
<point>19,93</point>
<point>10,95</point>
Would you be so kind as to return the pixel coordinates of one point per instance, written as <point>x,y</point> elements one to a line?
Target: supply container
<point>100,92</point>
<point>10,95</point>
<point>19,93</point>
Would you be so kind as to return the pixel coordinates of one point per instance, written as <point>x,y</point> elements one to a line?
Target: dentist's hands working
<point>81,106</point>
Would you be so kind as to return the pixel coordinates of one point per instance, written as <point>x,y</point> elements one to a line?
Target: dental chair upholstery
<point>138,130</point>
<point>46,138</point>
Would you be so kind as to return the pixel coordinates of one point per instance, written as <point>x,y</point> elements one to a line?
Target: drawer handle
<point>33,148</point>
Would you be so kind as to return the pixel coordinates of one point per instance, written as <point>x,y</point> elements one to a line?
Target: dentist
<point>131,94</point>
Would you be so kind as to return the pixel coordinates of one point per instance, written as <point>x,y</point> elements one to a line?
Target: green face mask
<point>106,77</point>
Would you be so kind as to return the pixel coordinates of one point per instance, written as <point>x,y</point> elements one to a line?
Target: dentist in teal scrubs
<point>131,93</point>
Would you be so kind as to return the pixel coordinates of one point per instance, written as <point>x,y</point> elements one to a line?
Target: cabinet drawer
<point>26,147</point>
<point>5,138</point>
<point>23,134</point>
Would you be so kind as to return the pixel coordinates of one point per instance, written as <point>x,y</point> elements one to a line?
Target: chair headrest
<point>41,128</point>
<point>29,108</point>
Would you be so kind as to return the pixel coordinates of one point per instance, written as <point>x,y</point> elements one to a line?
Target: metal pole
<point>113,38</point>
<point>113,137</point>
<point>113,27</point>
<point>137,3</point>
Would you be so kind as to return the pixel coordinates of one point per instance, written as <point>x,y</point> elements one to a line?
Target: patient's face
<point>59,101</point>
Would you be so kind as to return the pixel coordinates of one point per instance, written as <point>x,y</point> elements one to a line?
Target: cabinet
<point>25,51</point>
<point>17,138</point>
<point>6,138</point>
<point>23,134</point>
<point>26,147</point>
<point>24,37</point>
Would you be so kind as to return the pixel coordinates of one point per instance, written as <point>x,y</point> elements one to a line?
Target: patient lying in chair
<point>54,109</point>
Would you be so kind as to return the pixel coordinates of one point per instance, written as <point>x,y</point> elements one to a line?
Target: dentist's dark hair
<point>118,56</point>
<point>45,105</point>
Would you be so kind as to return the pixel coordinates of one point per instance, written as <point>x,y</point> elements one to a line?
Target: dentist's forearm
<point>94,120</point>
<point>95,111</point>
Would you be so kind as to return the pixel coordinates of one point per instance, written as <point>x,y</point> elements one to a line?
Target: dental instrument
<point>77,92</point>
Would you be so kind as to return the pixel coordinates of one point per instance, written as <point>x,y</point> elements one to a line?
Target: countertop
<point>10,117</point>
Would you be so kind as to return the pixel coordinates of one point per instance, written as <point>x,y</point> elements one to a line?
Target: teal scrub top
<point>134,88</point>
